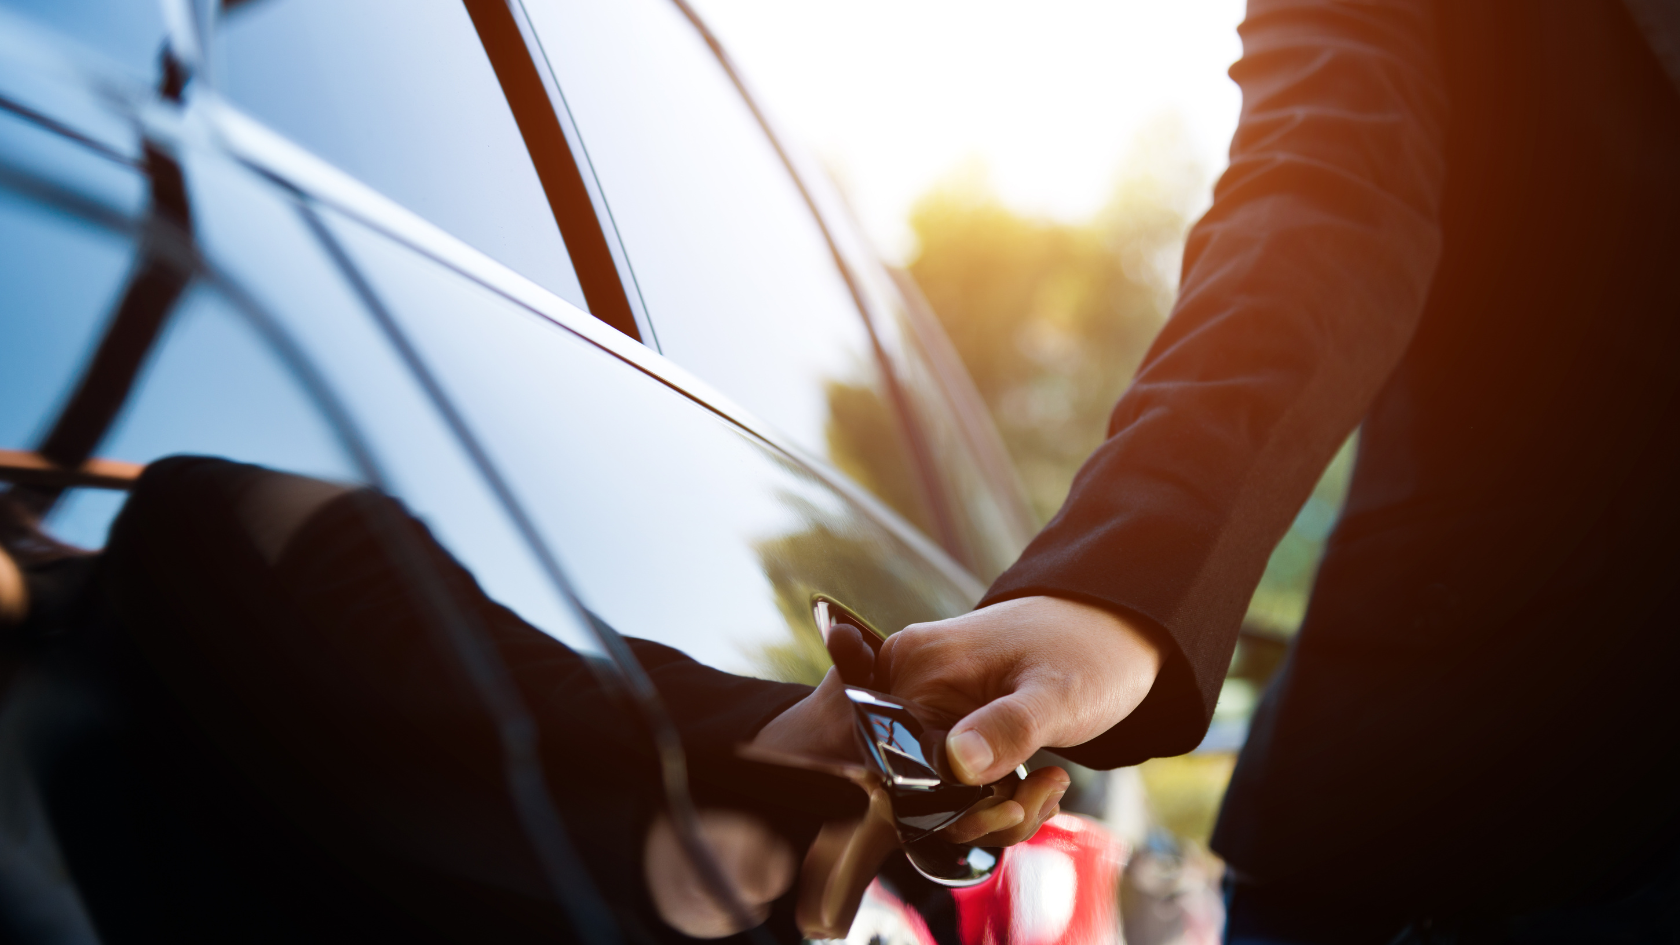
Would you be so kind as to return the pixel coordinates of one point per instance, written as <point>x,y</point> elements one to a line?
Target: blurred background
<point>1035,169</point>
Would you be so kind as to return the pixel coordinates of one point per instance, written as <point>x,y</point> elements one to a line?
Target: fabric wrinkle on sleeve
<point>1301,288</point>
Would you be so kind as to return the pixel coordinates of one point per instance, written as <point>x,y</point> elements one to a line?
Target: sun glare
<point>1048,98</point>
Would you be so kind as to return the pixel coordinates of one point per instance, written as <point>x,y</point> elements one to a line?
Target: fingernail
<point>970,754</point>
<point>1048,809</point>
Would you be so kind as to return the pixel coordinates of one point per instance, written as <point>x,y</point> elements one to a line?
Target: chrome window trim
<point>869,280</point>
<point>586,170</point>
<point>940,503</point>
<point>267,153</point>
<point>207,121</point>
<point>40,68</point>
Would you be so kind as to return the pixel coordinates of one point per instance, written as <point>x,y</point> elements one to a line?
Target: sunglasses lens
<point>923,800</point>
<point>952,864</point>
<point>899,753</point>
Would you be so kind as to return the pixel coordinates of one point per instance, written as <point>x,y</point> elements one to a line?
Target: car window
<point>675,525</point>
<point>391,657</point>
<point>990,520</point>
<point>400,94</point>
<point>738,281</point>
<point>128,32</point>
<point>991,523</point>
<point>989,513</point>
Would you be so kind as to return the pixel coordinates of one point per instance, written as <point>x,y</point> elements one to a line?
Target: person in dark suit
<point>1454,226</point>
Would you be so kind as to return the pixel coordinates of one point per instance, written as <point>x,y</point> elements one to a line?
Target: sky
<point>1048,97</point>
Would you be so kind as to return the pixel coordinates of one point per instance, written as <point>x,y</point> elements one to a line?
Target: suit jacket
<point>1455,225</point>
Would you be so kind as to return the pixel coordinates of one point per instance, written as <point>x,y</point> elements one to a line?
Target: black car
<point>587,347</point>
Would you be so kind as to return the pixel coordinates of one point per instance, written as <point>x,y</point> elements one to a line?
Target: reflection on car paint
<point>683,526</point>
<point>735,535</point>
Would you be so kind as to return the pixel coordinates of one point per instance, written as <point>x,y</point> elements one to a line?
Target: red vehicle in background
<point>1059,888</point>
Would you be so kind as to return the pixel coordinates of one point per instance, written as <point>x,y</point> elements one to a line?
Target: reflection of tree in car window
<point>831,556</point>
<point>866,440</point>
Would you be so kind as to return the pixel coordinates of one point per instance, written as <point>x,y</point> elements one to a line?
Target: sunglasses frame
<point>913,795</point>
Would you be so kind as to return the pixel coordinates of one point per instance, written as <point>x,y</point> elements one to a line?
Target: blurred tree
<point>858,422</point>
<point>1052,320</point>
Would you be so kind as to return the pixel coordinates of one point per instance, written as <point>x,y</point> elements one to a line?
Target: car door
<point>164,300</point>
<point>763,299</point>
<point>293,32</point>
<point>313,326</point>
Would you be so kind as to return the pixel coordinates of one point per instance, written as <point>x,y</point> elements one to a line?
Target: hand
<point>1001,822</point>
<point>820,725</point>
<point>1022,675</point>
<point>817,726</point>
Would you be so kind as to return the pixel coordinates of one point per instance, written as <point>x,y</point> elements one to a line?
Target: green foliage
<point>1047,318</point>
<point>1053,318</point>
<point>1280,601</point>
<point>867,443</point>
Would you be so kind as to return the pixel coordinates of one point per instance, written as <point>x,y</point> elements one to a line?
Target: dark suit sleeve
<point>1301,288</point>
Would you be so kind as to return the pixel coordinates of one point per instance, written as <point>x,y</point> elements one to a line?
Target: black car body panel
<point>183,279</point>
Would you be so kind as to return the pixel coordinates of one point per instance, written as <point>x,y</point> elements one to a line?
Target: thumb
<point>990,741</point>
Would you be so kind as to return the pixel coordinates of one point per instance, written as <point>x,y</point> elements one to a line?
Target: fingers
<point>990,741</point>
<point>820,725</point>
<point>986,820</point>
<point>1040,796</point>
<point>1023,674</point>
<point>852,656</point>
<point>1012,821</point>
<point>928,664</point>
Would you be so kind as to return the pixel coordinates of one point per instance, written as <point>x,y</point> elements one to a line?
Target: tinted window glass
<point>400,94</point>
<point>991,528</point>
<point>989,512</point>
<point>675,525</point>
<point>739,283</point>
<point>129,32</point>
<point>990,522</point>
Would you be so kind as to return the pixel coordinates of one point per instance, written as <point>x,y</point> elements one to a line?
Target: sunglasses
<point>913,793</point>
<point>925,795</point>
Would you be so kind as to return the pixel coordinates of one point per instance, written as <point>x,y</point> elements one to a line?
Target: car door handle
<point>853,643</point>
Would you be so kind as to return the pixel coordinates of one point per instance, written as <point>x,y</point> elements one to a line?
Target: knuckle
<point>1026,716</point>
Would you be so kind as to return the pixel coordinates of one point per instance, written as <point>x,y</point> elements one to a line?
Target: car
<point>543,275</point>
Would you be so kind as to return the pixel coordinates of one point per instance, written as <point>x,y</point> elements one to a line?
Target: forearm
<point>1301,288</point>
